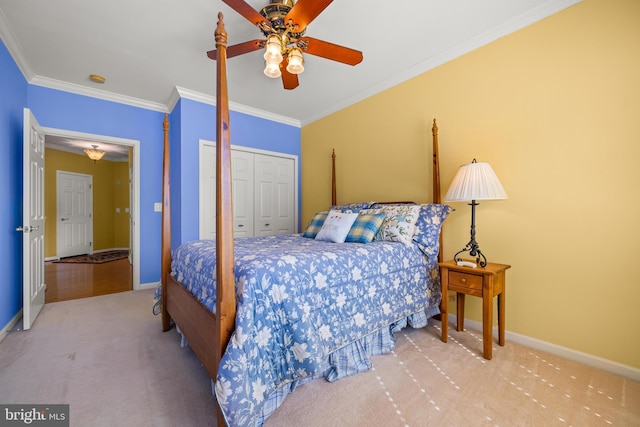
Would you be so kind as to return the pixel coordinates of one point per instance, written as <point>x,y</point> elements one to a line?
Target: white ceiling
<point>152,50</point>
<point>113,152</point>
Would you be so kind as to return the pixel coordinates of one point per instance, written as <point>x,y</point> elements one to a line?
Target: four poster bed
<point>290,309</point>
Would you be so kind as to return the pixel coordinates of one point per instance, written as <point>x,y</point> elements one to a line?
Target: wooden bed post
<point>333,178</point>
<point>166,226</point>
<point>437,198</point>
<point>225,288</point>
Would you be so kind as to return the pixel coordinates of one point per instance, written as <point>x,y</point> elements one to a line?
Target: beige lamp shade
<point>475,181</point>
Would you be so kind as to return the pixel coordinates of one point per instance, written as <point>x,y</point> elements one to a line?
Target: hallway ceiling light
<point>94,154</point>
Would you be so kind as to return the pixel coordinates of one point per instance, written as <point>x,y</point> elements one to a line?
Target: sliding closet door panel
<point>264,195</point>
<point>242,176</point>
<point>207,191</point>
<point>284,196</point>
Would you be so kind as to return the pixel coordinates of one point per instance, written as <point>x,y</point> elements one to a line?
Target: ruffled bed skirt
<point>349,360</point>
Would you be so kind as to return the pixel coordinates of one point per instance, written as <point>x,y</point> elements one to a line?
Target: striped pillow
<point>315,225</point>
<point>365,228</point>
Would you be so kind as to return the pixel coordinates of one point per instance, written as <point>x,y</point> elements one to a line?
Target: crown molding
<point>97,93</point>
<point>544,10</point>
<point>180,92</point>
<point>13,47</point>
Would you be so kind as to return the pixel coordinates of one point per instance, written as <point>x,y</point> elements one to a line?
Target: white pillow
<point>336,226</point>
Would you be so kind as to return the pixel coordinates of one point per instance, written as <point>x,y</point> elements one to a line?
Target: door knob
<point>28,228</point>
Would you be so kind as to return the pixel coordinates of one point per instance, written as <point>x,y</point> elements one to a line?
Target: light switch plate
<point>157,207</point>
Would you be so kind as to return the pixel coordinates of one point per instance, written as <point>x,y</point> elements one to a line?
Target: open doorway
<point>113,219</point>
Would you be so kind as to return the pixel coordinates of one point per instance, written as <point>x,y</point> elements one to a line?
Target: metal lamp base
<point>472,247</point>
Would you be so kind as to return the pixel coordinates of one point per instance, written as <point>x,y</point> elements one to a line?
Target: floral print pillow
<point>428,227</point>
<point>399,224</point>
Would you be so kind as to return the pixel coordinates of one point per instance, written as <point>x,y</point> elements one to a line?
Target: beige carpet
<point>107,357</point>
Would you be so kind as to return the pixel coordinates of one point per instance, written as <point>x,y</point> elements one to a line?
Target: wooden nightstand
<point>485,282</point>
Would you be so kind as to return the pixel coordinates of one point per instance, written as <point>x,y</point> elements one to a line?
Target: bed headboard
<point>436,198</point>
<point>436,195</point>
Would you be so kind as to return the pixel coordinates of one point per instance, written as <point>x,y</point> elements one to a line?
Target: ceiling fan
<point>284,23</point>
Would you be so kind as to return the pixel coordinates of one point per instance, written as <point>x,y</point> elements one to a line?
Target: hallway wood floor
<point>73,281</point>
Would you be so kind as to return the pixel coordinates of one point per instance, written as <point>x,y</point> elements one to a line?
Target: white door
<point>242,185</point>
<point>207,184</point>
<point>274,195</point>
<point>284,196</point>
<point>74,213</point>
<point>242,192</point>
<point>263,196</point>
<point>33,286</point>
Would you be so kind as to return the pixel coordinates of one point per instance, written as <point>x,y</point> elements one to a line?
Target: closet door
<point>284,196</point>
<point>264,223</point>
<point>274,195</point>
<point>242,184</point>
<point>263,193</point>
<point>207,191</point>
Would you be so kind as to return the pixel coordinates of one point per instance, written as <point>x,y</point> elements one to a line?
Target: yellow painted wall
<point>555,109</point>
<point>110,230</point>
<point>121,201</point>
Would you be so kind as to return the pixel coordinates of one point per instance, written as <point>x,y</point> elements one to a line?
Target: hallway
<point>73,281</point>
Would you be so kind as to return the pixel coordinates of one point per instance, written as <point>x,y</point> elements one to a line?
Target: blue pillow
<point>428,227</point>
<point>315,225</point>
<point>365,228</point>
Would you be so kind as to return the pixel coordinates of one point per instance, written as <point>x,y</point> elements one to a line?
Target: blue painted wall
<point>13,99</point>
<point>198,121</point>
<point>63,110</point>
<point>190,121</point>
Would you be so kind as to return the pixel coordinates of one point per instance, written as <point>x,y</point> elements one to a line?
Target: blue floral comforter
<point>298,300</point>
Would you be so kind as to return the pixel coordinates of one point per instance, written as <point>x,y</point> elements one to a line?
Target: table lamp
<point>474,181</point>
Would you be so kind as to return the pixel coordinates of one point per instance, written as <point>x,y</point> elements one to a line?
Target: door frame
<point>135,196</point>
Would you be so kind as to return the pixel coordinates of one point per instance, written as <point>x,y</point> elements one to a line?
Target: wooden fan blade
<point>330,51</point>
<point>248,12</point>
<point>305,11</point>
<point>238,49</point>
<point>289,81</point>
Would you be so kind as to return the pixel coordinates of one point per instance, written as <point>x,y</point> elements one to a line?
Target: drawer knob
<point>463,280</point>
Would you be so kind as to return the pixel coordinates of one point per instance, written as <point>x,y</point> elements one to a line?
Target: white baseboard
<point>9,326</point>
<point>577,356</point>
<point>143,286</point>
<point>56,258</point>
<point>110,249</point>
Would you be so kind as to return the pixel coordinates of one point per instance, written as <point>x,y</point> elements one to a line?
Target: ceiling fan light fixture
<point>273,49</point>
<point>94,154</point>
<point>272,69</point>
<point>295,61</point>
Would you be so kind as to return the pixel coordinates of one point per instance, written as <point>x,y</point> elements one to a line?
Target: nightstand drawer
<point>471,281</point>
